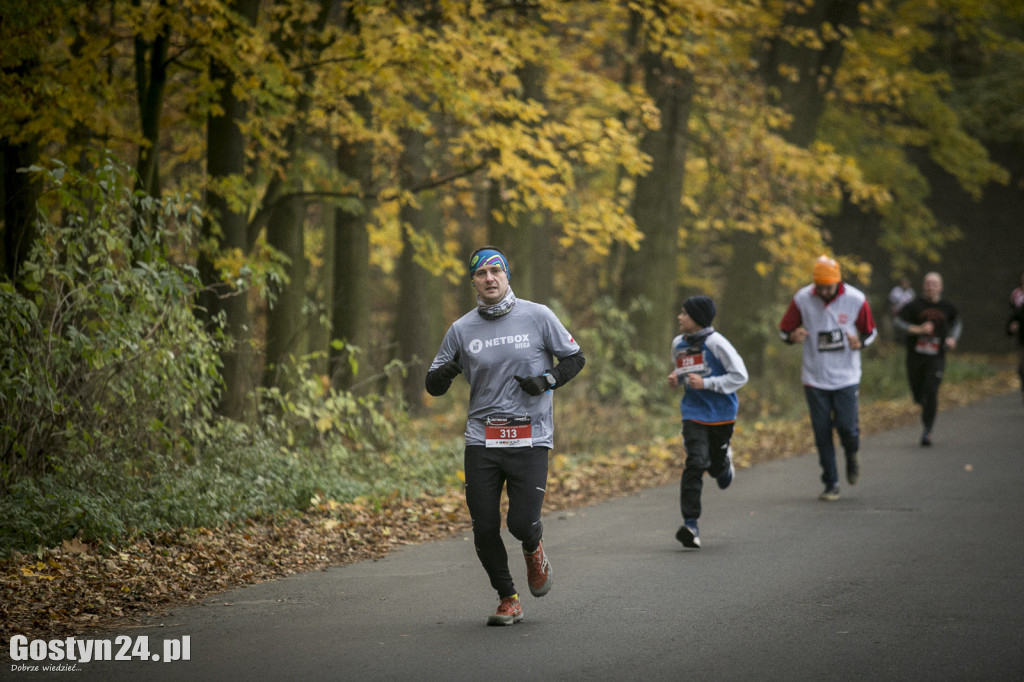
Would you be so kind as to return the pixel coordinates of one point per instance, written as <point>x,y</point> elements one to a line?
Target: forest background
<point>234,232</point>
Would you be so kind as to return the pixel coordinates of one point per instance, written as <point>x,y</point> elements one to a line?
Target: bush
<point>109,387</point>
<point>102,356</point>
<point>616,371</point>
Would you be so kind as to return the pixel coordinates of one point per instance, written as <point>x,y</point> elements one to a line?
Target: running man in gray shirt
<point>506,347</point>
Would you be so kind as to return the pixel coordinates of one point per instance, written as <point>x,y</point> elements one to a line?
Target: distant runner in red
<point>1015,327</point>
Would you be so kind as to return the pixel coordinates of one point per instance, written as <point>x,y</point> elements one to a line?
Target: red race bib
<point>507,431</point>
<point>690,361</point>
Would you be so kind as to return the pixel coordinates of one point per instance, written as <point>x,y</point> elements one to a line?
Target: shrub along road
<point>79,587</point>
<point>915,573</point>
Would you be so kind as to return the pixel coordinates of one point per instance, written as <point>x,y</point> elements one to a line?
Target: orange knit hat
<point>826,271</point>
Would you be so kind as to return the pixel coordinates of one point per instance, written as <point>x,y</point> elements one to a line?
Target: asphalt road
<point>916,573</point>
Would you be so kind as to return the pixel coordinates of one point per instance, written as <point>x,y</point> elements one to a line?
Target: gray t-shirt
<point>523,342</point>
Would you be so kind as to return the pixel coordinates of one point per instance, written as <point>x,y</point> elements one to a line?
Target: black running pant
<point>707,447</point>
<point>924,372</point>
<point>524,474</point>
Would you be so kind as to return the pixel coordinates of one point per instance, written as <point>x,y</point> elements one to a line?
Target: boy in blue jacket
<point>711,371</point>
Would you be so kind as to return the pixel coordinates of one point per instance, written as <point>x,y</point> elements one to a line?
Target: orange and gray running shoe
<point>538,571</point>
<point>509,611</point>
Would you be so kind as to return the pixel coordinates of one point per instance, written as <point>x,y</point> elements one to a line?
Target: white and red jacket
<point>829,362</point>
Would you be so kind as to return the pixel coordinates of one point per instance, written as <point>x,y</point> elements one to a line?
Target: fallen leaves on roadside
<point>77,588</point>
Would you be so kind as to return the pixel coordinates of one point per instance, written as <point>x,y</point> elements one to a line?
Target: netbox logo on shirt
<point>516,340</point>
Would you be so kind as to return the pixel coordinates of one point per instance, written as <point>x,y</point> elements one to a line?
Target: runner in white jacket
<point>833,321</point>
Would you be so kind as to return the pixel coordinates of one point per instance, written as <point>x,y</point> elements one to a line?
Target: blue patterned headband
<point>485,257</point>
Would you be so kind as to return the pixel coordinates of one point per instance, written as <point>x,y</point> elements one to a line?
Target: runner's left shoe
<point>538,571</point>
<point>852,469</point>
<point>725,478</point>
<point>509,611</point>
<point>688,534</point>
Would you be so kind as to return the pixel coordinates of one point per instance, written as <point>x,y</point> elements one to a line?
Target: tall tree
<point>350,287</point>
<point>418,217</point>
<point>24,34</point>
<point>226,229</point>
<point>354,152</point>
<point>801,61</point>
<point>524,238</point>
<point>797,66</point>
<point>151,65</point>
<point>417,300</point>
<point>299,42</point>
<point>650,272</point>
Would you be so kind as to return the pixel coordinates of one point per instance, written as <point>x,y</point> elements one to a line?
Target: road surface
<point>916,573</point>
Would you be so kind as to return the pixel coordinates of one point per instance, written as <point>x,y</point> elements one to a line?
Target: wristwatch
<point>551,379</point>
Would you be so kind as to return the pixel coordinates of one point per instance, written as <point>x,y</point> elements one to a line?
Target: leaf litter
<point>78,588</point>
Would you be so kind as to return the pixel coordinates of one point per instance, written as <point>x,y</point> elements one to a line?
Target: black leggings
<point>924,373</point>
<point>524,473</point>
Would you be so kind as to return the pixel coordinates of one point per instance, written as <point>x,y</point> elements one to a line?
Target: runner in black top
<point>933,327</point>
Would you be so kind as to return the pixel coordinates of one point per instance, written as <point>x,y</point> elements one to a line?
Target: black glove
<point>449,370</point>
<point>439,380</point>
<point>533,385</point>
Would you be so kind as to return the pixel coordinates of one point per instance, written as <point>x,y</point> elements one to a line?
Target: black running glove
<point>533,385</point>
<point>449,370</point>
<point>440,380</point>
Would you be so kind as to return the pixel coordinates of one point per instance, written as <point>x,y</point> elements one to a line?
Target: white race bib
<point>691,361</point>
<point>507,431</point>
<point>928,345</point>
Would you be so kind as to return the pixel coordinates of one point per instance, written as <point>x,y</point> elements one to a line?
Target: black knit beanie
<point>701,310</point>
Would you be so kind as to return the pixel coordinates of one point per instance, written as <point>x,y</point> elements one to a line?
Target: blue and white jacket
<point>709,354</point>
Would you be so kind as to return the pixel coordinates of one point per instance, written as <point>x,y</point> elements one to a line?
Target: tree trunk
<point>287,328</point>
<point>746,298</point>
<point>418,310</point>
<point>804,97</point>
<point>650,273</point>
<point>515,241</point>
<point>19,193</point>
<point>542,259</point>
<point>350,288</point>
<point>227,229</point>
<point>151,83</point>
<point>350,295</point>
<point>746,294</point>
<point>288,332</point>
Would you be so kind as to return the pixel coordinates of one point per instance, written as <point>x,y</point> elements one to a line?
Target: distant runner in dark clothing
<point>932,326</point>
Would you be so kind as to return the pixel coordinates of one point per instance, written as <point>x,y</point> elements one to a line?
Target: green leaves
<point>101,352</point>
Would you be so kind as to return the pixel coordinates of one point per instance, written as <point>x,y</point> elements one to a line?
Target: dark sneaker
<point>725,478</point>
<point>538,571</point>
<point>831,494</point>
<point>926,438</point>
<point>509,611</point>
<point>852,470</point>
<point>688,534</point>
